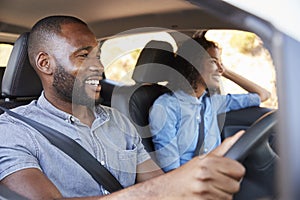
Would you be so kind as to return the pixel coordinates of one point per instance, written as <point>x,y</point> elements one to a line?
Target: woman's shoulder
<point>165,98</point>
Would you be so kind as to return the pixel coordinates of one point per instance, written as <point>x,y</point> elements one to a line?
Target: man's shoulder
<point>14,130</point>
<point>22,110</point>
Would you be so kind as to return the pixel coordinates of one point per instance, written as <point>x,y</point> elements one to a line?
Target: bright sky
<point>284,14</point>
<point>5,50</point>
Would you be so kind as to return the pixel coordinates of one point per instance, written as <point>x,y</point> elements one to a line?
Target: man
<point>65,54</point>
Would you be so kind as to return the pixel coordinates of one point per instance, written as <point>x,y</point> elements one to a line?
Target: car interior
<point>20,84</point>
<point>135,101</point>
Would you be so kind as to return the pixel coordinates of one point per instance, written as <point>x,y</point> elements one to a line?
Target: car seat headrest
<point>154,63</point>
<point>20,79</point>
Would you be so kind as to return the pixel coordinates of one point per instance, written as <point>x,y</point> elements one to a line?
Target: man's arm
<point>206,177</point>
<point>147,170</point>
<point>31,183</point>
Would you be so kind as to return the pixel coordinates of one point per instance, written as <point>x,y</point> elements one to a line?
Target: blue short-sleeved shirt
<point>174,122</point>
<point>112,140</point>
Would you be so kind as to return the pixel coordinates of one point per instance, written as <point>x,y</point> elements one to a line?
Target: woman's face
<point>212,68</point>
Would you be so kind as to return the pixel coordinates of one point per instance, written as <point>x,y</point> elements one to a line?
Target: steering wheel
<point>254,152</point>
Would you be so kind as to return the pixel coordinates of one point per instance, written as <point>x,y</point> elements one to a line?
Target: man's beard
<point>71,89</point>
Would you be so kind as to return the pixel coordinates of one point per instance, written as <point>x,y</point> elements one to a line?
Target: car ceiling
<point>107,17</point>
<point>90,10</point>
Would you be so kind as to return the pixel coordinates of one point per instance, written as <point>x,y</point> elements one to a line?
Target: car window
<point>119,55</point>
<point>242,52</point>
<point>5,50</point>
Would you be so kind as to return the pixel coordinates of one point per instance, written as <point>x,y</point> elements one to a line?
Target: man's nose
<point>95,65</point>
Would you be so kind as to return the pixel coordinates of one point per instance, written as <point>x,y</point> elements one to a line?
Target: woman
<point>179,119</point>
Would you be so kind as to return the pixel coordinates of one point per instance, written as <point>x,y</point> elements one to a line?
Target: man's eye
<point>83,55</point>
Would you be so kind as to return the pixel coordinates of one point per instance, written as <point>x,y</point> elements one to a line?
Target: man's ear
<point>43,63</point>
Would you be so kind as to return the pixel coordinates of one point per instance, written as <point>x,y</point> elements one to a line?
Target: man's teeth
<point>92,82</point>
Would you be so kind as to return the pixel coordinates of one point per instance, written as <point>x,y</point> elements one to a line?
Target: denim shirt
<point>111,139</point>
<point>174,123</point>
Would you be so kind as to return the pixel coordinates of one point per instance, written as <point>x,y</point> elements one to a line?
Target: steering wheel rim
<point>253,150</point>
<point>256,134</point>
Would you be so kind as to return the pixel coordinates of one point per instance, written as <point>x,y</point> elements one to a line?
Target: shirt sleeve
<point>163,125</point>
<point>229,102</point>
<point>17,151</point>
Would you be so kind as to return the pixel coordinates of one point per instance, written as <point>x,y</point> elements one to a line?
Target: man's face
<point>78,68</point>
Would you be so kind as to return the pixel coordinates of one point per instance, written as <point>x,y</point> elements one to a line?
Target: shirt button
<point>102,162</point>
<point>72,119</point>
<point>205,150</point>
<point>105,192</point>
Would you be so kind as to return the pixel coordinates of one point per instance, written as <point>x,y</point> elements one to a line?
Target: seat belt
<point>75,151</point>
<point>201,133</point>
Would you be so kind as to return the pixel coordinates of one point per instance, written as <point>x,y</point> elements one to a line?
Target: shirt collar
<point>185,97</point>
<point>101,114</point>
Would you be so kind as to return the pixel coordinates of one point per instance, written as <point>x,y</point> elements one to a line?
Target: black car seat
<point>20,83</point>
<point>135,102</point>
<point>2,69</point>
<point>153,67</point>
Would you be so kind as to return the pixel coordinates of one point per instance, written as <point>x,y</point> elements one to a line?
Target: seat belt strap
<point>201,134</point>
<point>75,151</point>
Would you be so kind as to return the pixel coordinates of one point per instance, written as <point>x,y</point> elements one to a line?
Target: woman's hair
<point>189,60</point>
<point>200,38</point>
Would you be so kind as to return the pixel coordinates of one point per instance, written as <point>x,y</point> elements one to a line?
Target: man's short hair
<point>44,30</point>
